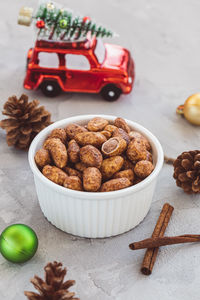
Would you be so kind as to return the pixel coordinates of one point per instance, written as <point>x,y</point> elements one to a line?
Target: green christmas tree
<point>60,24</point>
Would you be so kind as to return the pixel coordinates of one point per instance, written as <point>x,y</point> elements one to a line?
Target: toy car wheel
<point>50,88</point>
<point>110,92</point>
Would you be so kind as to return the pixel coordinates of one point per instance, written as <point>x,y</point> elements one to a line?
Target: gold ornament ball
<point>191,109</point>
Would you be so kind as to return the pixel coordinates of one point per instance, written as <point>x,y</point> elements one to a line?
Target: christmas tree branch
<point>55,25</point>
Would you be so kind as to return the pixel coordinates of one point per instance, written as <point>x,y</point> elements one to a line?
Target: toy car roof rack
<point>52,44</point>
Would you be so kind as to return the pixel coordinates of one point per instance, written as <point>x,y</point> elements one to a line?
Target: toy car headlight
<point>130,79</point>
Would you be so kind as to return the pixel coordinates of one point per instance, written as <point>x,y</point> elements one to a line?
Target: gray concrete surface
<point>164,37</point>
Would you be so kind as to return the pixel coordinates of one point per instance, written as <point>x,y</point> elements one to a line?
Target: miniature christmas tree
<point>56,23</point>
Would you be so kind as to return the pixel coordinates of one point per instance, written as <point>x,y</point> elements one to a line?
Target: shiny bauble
<point>40,24</point>
<point>191,109</point>
<point>63,23</point>
<point>18,243</point>
<point>86,19</point>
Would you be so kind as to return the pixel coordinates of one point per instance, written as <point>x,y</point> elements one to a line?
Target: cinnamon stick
<point>164,241</point>
<point>169,160</point>
<point>159,230</point>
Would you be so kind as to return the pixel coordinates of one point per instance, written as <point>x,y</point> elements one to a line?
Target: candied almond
<point>59,133</point>
<point>95,139</point>
<point>143,168</point>
<point>119,132</point>
<point>136,151</point>
<point>149,156</point>
<point>73,183</point>
<point>114,146</point>
<point>72,172</point>
<point>72,129</point>
<point>106,133</point>
<point>115,184</point>
<point>111,165</point>
<point>49,142</point>
<point>54,174</point>
<point>80,166</point>
<point>134,135</point>
<point>91,156</point>
<point>125,174</point>
<point>127,164</point>
<point>97,124</point>
<point>110,128</point>
<point>92,179</point>
<point>42,158</point>
<point>58,151</point>
<point>121,123</point>
<point>73,151</point>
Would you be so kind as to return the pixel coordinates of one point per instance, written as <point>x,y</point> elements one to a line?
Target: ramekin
<point>95,215</point>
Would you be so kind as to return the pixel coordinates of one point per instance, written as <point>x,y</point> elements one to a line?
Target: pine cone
<point>53,288</point>
<point>25,121</point>
<point>187,171</point>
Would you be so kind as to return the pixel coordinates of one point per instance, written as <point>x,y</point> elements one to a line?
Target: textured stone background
<point>164,37</point>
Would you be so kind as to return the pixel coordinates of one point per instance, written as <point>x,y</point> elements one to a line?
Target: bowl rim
<point>96,195</point>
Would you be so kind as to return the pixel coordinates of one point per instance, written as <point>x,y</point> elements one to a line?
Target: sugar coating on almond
<point>136,151</point>
<point>72,129</point>
<point>59,133</point>
<point>73,183</point>
<point>125,174</point>
<point>111,165</point>
<point>119,132</point>
<point>58,151</point>
<point>115,184</point>
<point>138,136</point>
<point>106,133</point>
<point>114,146</point>
<point>121,123</point>
<point>91,156</point>
<point>97,124</point>
<point>92,179</point>
<point>72,172</point>
<point>110,145</point>
<point>54,174</point>
<point>143,168</point>
<point>80,166</point>
<point>127,164</point>
<point>149,156</point>
<point>73,151</point>
<point>49,143</point>
<point>110,128</point>
<point>42,158</point>
<point>95,139</point>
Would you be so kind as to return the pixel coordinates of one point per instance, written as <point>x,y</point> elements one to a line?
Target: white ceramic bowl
<point>95,215</point>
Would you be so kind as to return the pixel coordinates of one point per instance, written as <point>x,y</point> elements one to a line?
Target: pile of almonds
<point>97,157</point>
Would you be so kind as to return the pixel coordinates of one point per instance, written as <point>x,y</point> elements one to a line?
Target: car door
<point>80,76</point>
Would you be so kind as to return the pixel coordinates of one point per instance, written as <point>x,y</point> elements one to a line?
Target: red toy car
<point>89,66</point>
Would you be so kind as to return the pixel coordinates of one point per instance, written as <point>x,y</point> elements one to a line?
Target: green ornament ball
<point>18,243</point>
<point>63,23</point>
